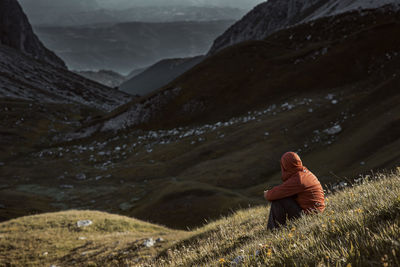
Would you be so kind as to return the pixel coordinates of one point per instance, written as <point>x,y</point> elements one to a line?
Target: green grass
<point>360,227</point>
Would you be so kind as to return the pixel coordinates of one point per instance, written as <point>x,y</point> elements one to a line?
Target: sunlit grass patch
<point>361,226</point>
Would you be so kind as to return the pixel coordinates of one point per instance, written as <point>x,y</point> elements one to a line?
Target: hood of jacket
<point>290,165</point>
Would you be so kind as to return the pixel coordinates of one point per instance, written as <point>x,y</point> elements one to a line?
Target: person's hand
<point>265,194</point>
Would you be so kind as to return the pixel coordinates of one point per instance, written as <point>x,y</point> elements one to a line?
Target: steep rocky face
<point>16,32</point>
<point>274,15</point>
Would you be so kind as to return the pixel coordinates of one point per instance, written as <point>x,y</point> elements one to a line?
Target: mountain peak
<point>16,32</point>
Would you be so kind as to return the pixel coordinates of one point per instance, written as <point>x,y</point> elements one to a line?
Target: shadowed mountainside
<point>274,15</point>
<point>158,75</point>
<point>16,32</point>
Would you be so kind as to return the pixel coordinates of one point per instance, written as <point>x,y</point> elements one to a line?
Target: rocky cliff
<point>16,32</point>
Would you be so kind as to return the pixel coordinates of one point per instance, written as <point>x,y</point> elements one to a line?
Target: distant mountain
<point>106,77</point>
<point>64,14</point>
<point>159,75</point>
<point>274,15</point>
<point>135,72</point>
<point>16,32</point>
<point>126,46</point>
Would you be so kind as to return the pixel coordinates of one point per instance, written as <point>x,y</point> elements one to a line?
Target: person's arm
<point>289,188</point>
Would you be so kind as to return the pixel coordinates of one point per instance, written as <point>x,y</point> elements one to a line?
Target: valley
<point>208,142</point>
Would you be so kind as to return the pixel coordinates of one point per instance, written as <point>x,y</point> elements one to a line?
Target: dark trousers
<point>282,210</point>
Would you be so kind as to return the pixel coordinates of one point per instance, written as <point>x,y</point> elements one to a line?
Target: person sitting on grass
<point>300,192</point>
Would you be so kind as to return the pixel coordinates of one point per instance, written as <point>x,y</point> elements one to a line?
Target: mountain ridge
<point>274,15</point>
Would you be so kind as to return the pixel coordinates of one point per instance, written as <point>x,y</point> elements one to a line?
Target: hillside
<point>215,134</point>
<point>23,77</point>
<point>274,15</point>
<point>360,227</point>
<point>158,75</point>
<point>123,47</point>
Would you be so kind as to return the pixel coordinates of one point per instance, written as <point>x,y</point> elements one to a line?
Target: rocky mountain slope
<point>38,95</point>
<point>274,15</point>
<point>25,78</point>
<point>158,75</point>
<point>127,46</point>
<point>16,32</point>
<point>210,141</point>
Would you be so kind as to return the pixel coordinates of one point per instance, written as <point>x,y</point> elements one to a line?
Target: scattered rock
<point>334,102</point>
<point>2,206</point>
<point>362,163</point>
<point>81,176</point>
<point>266,133</point>
<point>334,130</point>
<point>1,163</point>
<point>149,243</point>
<point>45,253</point>
<point>84,223</point>
<point>67,186</point>
<point>330,96</point>
<point>82,238</point>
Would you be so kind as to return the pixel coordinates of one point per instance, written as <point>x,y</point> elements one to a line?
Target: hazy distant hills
<point>64,14</point>
<point>78,12</point>
<point>106,77</point>
<point>127,46</point>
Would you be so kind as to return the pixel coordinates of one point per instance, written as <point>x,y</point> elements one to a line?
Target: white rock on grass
<point>81,176</point>
<point>149,243</point>
<point>1,163</point>
<point>66,186</point>
<point>84,223</point>
<point>333,130</point>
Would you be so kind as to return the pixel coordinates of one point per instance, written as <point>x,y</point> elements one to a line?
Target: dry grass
<point>54,238</point>
<point>360,227</point>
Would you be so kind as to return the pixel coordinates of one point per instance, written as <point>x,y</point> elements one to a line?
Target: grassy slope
<point>360,226</point>
<point>54,238</point>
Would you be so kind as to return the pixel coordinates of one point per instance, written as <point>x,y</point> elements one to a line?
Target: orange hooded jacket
<point>299,181</point>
